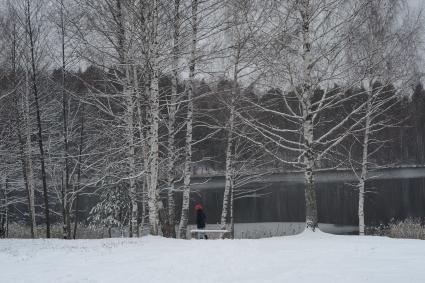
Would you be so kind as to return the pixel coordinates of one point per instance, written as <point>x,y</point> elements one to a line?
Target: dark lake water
<point>392,194</point>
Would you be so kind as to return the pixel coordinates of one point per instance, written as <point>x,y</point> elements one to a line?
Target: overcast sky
<point>416,3</point>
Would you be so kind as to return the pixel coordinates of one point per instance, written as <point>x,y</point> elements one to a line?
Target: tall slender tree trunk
<point>365,163</point>
<point>122,50</point>
<point>229,165</point>
<point>6,212</point>
<point>37,106</point>
<point>24,160</point>
<point>76,208</point>
<point>172,109</point>
<point>26,154</point>
<point>23,125</point>
<point>131,159</point>
<point>66,219</point>
<point>145,134</point>
<point>80,157</point>
<point>28,157</point>
<point>4,202</point>
<point>232,211</point>
<point>228,176</point>
<point>145,117</point>
<point>229,156</point>
<point>139,124</point>
<point>189,122</point>
<point>307,123</point>
<point>228,196</point>
<point>153,195</point>
<point>142,140</point>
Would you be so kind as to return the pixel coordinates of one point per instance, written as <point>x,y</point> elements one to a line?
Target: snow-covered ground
<point>302,258</point>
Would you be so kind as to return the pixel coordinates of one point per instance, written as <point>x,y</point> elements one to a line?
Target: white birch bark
<point>189,121</point>
<point>307,115</point>
<point>6,209</point>
<point>131,157</point>
<point>229,156</point>
<point>66,229</point>
<point>143,111</point>
<point>23,129</point>
<point>228,174</point>
<point>142,141</point>
<point>28,158</point>
<point>153,195</point>
<point>146,149</point>
<point>380,44</point>
<point>172,108</point>
<point>32,42</point>
<point>232,206</point>
<point>128,93</point>
<point>364,170</point>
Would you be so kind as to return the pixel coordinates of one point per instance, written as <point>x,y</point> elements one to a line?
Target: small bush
<point>410,228</point>
<point>22,231</point>
<point>380,230</point>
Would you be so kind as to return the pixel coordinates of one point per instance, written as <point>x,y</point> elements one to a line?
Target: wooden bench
<point>208,232</point>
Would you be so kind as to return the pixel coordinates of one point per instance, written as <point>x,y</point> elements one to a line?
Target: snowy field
<point>302,258</point>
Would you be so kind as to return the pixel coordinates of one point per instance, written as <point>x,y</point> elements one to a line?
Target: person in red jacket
<point>200,220</point>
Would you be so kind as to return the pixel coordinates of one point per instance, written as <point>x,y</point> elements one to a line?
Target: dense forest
<point>126,100</point>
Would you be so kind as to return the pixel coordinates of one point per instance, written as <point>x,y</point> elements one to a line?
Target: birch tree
<point>153,139</point>
<point>304,61</point>
<point>244,24</point>
<point>379,55</point>
<point>172,111</point>
<point>130,106</point>
<point>30,15</point>
<point>116,29</point>
<point>189,120</point>
<point>28,157</point>
<point>4,209</point>
<point>66,186</point>
<point>15,36</point>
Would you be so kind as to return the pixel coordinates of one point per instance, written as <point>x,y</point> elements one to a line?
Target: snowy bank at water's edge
<point>324,257</point>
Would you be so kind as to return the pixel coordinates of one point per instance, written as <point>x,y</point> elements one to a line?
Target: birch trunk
<point>24,138</point>
<point>23,157</point>
<point>232,207</point>
<point>229,156</point>
<point>365,162</point>
<point>146,143</point>
<point>80,157</point>
<point>28,159</point>
<point>124,61</point>
<point>307,113</point>
<point>6,212</point>
<point>310,191</point>
<point>144,147</point>
<point>229,167</point>
<point>171,122</point>
<point>228,181</point>
<point>138,106</point>
<point>66,209</point>
<point>189,121</point>
<point>131,159</point>
<point>153,194</point>
<point>153,157</point>
<point>29,30</point>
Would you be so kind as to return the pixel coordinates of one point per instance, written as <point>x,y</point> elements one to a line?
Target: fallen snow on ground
<point>308,257</point>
